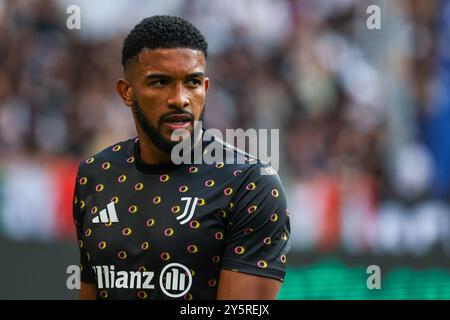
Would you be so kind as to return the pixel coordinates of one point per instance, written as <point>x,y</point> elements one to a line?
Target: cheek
<point>152,105</point>
<point>151,99</point>
<point>198,102</point>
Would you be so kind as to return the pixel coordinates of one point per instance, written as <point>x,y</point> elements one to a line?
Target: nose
<point>178,98</point>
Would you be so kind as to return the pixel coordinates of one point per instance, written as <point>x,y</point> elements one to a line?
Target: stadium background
<point>364,119</point>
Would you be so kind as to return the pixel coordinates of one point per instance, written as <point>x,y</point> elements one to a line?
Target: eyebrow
<point>196,74</point>
<point>152,76</point>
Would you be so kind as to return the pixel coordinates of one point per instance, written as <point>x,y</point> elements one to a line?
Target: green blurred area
<point>38,270</point>
<point>331,279</point>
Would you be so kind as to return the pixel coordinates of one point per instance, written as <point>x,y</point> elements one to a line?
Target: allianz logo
<point>175,279</point>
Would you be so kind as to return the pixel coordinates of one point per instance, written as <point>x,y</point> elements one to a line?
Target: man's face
<point>169,88</point>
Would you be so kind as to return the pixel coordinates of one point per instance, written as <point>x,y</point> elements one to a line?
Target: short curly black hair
<point>162,32</point>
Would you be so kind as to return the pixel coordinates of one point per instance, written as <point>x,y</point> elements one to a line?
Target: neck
<point>150,153</point>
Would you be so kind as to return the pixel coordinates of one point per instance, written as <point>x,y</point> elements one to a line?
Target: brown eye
<point>194,82</point>
<point>159,83</point>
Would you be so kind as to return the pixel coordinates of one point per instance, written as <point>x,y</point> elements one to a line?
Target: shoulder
<point>245,167</point>
<point>115,154</point>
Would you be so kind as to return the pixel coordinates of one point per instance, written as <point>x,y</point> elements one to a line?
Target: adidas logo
<point>107,215</point>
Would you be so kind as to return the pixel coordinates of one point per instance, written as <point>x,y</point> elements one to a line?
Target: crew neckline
<point>158,168</point>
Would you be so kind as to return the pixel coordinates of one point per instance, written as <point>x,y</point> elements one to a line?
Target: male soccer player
<point>152,229</point>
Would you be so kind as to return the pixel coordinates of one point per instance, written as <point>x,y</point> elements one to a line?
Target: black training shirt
<point>165,231</point>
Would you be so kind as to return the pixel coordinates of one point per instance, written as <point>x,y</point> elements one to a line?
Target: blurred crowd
<point>364,115</point>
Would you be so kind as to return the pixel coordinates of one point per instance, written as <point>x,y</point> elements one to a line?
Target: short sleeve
<point>257,240</point>
<point>79,211</point>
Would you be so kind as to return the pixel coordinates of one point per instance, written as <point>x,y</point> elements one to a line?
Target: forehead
<point>170,61</point>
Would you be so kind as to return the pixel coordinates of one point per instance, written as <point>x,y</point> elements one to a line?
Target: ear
<point>206,84</point>
<point>125,91</point>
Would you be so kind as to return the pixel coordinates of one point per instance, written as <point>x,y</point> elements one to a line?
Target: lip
<point>175,125</point>
<point>177,121</point>
<point>178,118</point>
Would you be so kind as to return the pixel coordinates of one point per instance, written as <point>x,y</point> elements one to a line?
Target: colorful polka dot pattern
<point>151,215</point>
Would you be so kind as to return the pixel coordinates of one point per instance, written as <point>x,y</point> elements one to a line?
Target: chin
<point>183,133</point>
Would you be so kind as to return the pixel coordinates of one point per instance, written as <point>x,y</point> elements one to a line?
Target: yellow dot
<point>165,256</point>
<point>262,264</point>
<point>251,186</point>
<point>193,169</point>
<point>156,199</point>
<point>192,248</point>
<point>139,186</point>
<point>126,231</point>
<point>209,183</point>
<point>164,178</point>
<point>220,165</point>
<point>176,209</point>
<point>132,209</point>
<point>239,250</point>
<point>194,224</point>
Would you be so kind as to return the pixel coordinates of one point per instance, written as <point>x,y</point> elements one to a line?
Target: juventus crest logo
<point>189,209</point>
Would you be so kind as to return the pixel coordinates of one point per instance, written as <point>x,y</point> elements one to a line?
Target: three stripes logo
<point>188,209</point>
<point>107,215</point>
<point>175,280</point>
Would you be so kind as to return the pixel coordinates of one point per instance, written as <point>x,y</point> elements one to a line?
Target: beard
<point>154,133</point>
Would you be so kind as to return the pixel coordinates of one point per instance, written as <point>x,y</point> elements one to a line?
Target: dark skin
<point>162,81</point>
